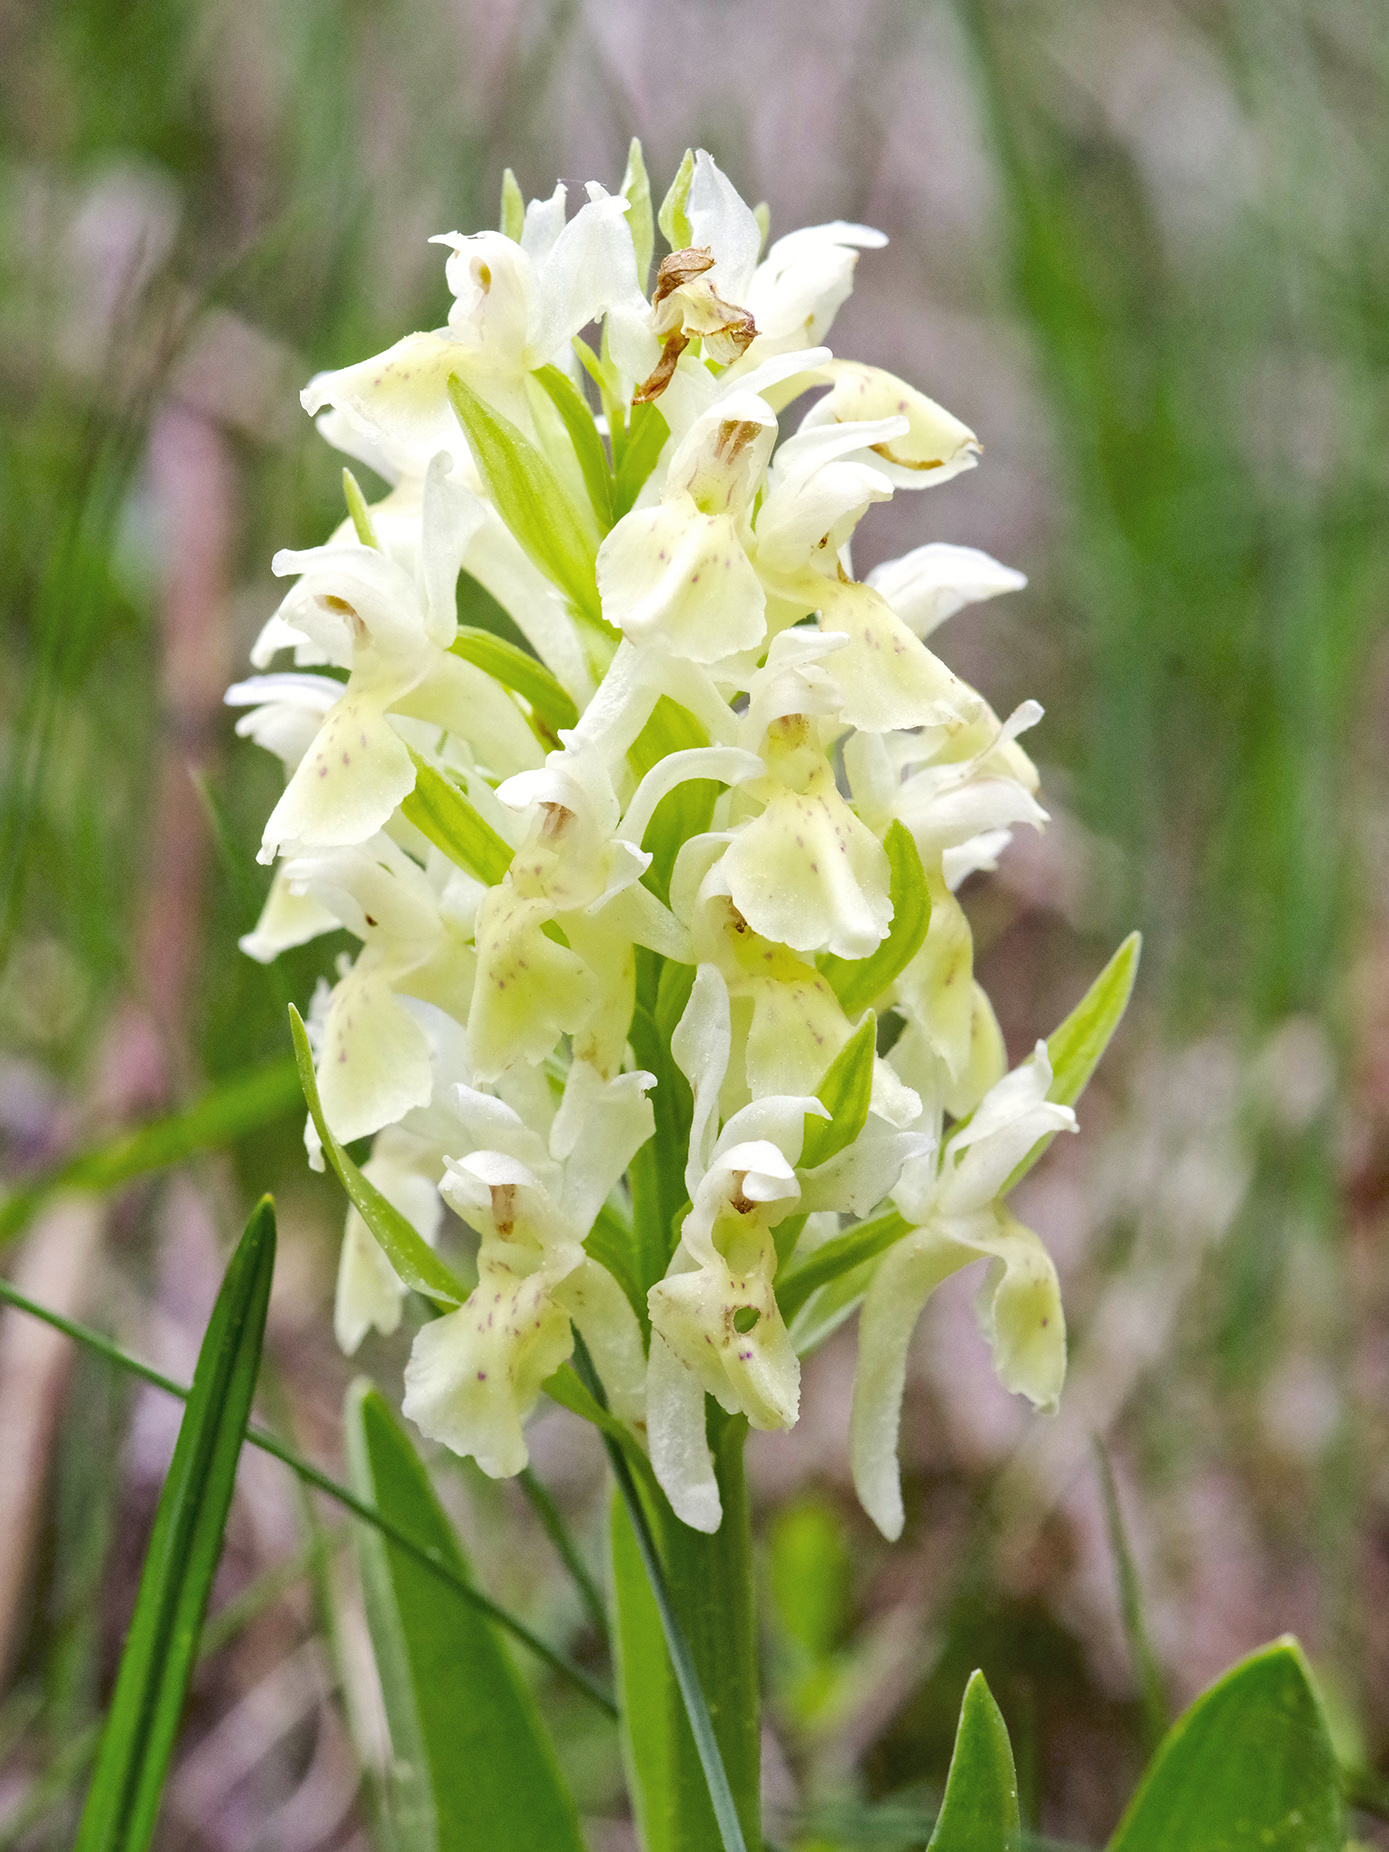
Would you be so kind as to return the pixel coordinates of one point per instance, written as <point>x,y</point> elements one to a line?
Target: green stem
<point>710,1580</point>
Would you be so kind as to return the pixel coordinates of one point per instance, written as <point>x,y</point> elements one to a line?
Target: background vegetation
<point>1141,249</point>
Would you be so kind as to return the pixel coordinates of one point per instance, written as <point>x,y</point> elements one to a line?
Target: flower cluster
<point>646,870</point>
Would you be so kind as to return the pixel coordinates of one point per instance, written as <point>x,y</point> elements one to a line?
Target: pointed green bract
<point>440,811</point>
<point>647,432</point>
<point>357,508</point>
<point>1075,1047</point>
<point>980,1810</point>
<point>472,1767</point>
<point>674,218</point>
<point>860,982</point>
<point>513,221</point>
<point>531,499</point>
<point>845,1092</point>
<point>836,1257</point>
<point>583,434</point>
<point>636,190</point>
<point>515,668</point>
<point>410,1255</point>
<point>162,1645</point>
<point>1249,1765</point>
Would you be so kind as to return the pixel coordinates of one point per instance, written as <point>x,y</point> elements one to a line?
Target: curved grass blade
<point>411,1256</point>
<point>1249,1764</point>
<point>1145,1665</point>
<point>980,1810</point>
<point>678,1647</point>
<point>517,669</point>
<point>473,1767</point>
<point>237,1106</point>
<point>162,1644</point>
<point>440,811</point>
<point>555,1528</point>
<point>859,982</point>
<point>321,1482</point>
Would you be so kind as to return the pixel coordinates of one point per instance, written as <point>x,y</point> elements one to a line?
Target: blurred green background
<point>1140,247</point>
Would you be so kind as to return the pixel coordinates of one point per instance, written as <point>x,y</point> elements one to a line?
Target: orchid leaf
<point>647,432</point>
<point>413,1260</point>
<point>860,982</point>
<point>1249,1764</point>
<point>162,1644</point>
<point>472,1766</point>
<point>440,811</point>
<point>839,1255</point>
<point>980,1810</point>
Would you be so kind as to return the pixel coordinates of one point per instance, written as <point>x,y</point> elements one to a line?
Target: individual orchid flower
<point>679,571</point>
<point>952,1200</point>
<point>805,871</point>
<point>516,307</point>
<point>474,1375</point>
<point>802,283</point>
<point>932,583</point>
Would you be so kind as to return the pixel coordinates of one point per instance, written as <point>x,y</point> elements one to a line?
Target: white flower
<point>802,283</point>
<point>953,1202</point>
<point>933,582</point>
<point>516,307</point>
<point>475,1374</point>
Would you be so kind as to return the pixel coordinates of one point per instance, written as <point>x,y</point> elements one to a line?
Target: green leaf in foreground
<point>845,1092</point>
<point>647,432</point>
<point>234,1107</point>
<point>517,669</point>
<point>531,499</point>
<point>440,811</point>
<point>859,982</point>
<point>980,1809</point>
<point>472,1766</point>
<point>413,1259</point>
<point>162,1644</point>
<point>837,1256</point>
<point>1249,1765</point>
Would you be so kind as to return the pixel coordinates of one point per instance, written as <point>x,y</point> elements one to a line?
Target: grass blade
<point>162,1644</point>
<point>1145,1665</point>
<point>555,1528</point>
<point>321,1482</point>
<point>473,1765</point>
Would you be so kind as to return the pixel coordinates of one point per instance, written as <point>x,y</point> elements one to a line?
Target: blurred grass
<point>1213,607</point>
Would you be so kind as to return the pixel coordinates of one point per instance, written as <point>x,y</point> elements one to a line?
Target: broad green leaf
<point>410,1255</point>
<point>516,668</point>
<point>1250,1765</point>
<point>440,811</point>
<point>646,1688</point>
<point>636,190</point>
<point>859,982</point>
<point>583,434</point>
<point>647,432</point>
<point>845,1092</point>
<point>233,1108</point>
<point>513,221</point>
<point>531,499</point>
<point>674,218</point>
<point>837,1256</point>
<point>1074,1049</point>
<point>161,1647</point>
<point>980,1810</point>
<point>472,1770</point>
<point>357,508</point>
